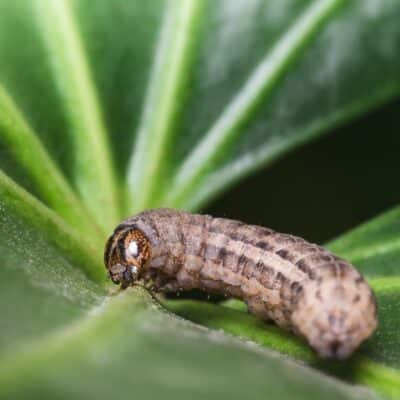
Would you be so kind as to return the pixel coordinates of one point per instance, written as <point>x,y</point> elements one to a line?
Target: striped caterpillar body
<point>299,285</point>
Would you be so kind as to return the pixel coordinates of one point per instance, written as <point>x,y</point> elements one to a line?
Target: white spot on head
<point>133,249</point>
<point>134,270</point>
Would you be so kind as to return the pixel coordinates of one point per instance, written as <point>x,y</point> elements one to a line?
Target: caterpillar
<point>301,286</point>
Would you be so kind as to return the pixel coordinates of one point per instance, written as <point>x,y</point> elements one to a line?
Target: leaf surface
<point>126,345</point>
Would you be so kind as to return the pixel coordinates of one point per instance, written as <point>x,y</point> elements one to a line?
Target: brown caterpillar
<point>299,285</point>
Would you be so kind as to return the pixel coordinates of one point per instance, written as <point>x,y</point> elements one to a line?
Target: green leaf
<point>232,41</point>
<point>129,344</point>
<point>134,104</point>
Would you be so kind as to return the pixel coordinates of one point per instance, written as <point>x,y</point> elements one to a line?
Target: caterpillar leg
<point>165,284</point>
<point>256,306</point>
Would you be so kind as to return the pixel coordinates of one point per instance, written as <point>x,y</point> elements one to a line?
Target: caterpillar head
<point>126,253</point>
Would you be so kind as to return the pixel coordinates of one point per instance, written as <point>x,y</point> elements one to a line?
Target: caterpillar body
<point>301,286</point>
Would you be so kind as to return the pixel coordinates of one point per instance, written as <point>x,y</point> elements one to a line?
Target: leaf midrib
<point>95,176</point>
<point>166,89</point>
<point>48,179</point>
<point>80,250</point>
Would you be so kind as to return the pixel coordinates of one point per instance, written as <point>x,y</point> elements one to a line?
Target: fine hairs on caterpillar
<point>300,286</point>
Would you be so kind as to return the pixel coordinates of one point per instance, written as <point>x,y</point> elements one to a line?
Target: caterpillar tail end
<point>336,317</point>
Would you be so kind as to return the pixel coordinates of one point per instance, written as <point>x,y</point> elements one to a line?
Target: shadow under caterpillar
<point>300,286</point>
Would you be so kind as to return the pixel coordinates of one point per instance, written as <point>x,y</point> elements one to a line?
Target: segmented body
<point>299,285</point>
